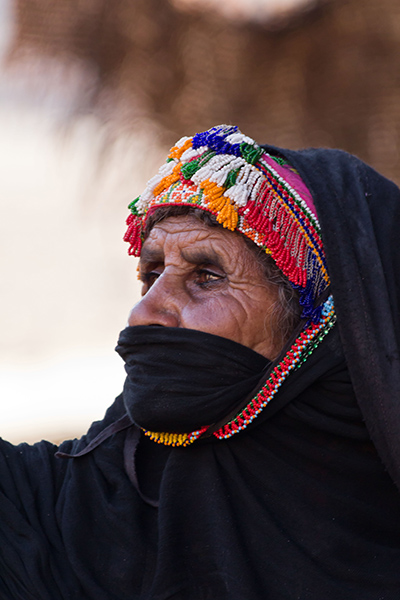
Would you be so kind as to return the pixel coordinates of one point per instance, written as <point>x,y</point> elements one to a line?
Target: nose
<point>159,306</point>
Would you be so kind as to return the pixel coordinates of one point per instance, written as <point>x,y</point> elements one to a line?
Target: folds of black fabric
<point>359,212</point>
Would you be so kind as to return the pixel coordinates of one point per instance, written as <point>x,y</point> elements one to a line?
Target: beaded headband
<point>248,190</point>
<point>227,174</point>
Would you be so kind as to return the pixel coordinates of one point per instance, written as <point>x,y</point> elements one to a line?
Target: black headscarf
<point>359,211</point>
<point>300,505</point>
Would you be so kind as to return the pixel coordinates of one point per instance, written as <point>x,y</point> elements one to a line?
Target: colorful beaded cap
<point>226,173</point>
<point>248,190</point>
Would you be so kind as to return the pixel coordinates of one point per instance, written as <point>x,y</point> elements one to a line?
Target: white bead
<point>238,193</point>
<point>183,139</point>
<point>238,138</point>
<point>214,164</point>
<point>192,152</point>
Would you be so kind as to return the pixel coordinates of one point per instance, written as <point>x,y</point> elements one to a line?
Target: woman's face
<point>205,278</point>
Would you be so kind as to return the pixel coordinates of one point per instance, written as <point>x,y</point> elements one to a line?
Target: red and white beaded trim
<point>303,347</point>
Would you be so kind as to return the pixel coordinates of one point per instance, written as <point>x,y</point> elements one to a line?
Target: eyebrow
<point>149,255</point>
<point>202,257</point>
<point>193,256</point>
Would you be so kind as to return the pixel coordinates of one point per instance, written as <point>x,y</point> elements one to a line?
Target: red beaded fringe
<point>133,234</point>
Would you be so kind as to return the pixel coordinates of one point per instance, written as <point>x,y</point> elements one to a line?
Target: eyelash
<point>207,272</point>
<point>150,277</point>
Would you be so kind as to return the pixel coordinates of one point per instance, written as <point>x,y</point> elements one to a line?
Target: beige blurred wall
<point>66,283</point>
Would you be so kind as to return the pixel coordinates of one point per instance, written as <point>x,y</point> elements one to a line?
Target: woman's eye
<point>205,277</point>
<point>149,278</point>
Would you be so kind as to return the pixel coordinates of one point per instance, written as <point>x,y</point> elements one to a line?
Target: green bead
<point>231,178</point>
<point>190,169</point>
<point>206,157</point>
<point>132,206</point>
<point>250,153</point>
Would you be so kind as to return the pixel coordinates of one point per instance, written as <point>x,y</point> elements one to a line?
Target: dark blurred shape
<point>329,76</point>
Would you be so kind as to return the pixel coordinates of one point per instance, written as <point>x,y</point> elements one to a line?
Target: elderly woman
<point>255,452</point>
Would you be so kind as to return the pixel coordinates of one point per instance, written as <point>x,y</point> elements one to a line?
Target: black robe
<point>302,505</point>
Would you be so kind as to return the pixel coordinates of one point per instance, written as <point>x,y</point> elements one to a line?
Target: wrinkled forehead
<point>187,239</point>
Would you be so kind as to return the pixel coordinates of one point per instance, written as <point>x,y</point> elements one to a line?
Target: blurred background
<point>92,94</point>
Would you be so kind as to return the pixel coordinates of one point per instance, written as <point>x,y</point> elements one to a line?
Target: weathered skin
<point>204,278</point>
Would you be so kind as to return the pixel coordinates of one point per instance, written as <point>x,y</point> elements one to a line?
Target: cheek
<point>230,315</point>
